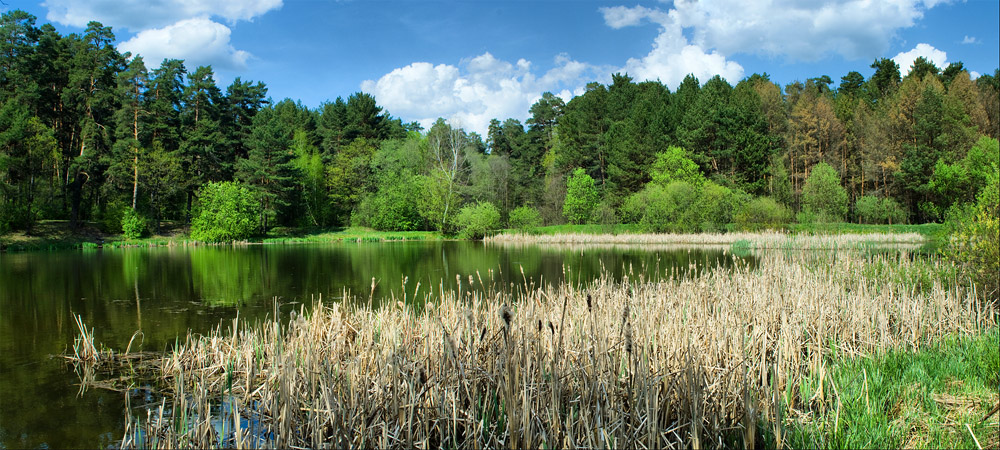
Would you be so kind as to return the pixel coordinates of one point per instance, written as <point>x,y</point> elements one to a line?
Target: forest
<point>90,135</point>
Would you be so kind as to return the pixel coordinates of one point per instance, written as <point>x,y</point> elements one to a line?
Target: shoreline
<point>799,237</point>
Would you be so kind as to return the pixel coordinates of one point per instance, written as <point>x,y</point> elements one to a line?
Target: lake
<point>166,291</point>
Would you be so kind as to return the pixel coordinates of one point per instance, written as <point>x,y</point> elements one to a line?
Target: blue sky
<point>470,61</point>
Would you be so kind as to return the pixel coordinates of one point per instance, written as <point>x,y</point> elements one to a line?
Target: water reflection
<point>167,291</point>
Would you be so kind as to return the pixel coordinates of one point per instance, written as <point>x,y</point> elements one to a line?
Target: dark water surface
<point>164,292</point>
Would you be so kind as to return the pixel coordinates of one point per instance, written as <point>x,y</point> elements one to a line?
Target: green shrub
<point>873,210</point>
<point>604,214</point>
<point>111,217</point>
<point>524,218</point>
<point>974,244</point>
<point>226,211</point>
<point>714,207</point>
<point>474,222</point>
<point>6,217</point>
<point>392,208</point>
<point>674,165</point>
<point>823,196</point>
<point>134,225</point>
<point>762,213</point>
<point>653,208</point>
<point>581,197</point>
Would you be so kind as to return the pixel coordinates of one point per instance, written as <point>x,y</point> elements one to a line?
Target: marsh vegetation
<point>739,356</point>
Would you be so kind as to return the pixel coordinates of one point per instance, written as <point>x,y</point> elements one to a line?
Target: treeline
<point>89,134</point>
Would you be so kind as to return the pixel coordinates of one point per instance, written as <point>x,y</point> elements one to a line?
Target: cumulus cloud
<point>622,16</point>
<point>801,30</point>
<point>483,88</point>
<point>198,41</point>
<point>137,15</point>
<point>695,37</point>
<point>905,59</point>
<point>181,29</point>
<point>672,56</point>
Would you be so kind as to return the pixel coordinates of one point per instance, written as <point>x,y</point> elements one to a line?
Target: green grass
<point>903,399</point>
<point>56,235</point>
<point>929,230</point>
<point>352,234</point>
<point>585,229</point>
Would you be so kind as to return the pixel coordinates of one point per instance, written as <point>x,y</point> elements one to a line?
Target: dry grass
<point>693,362</point>
<point>763,240</point>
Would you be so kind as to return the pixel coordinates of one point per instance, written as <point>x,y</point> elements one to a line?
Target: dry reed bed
<point>763,240</point>
<point>634,364</point>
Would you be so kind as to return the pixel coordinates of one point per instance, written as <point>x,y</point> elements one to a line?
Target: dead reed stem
<point>632,364</point>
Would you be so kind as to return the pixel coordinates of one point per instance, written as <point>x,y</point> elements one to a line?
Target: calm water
<point>166,291</point>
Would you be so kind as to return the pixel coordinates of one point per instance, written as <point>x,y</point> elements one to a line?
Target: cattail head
<point>628,339</point>
<point>552,328</point>
<point>590,307</point>
<point>506,315</point>
<point>539,326</point>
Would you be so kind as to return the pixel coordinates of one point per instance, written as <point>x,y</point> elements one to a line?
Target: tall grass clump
<point>697,361</point>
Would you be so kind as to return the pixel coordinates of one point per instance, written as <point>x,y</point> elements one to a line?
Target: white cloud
<point>485,88</point>
<point>181,29</point>
<point>905,59</point>
<point>672,56</point>
<point>197,41</point>
<point>973,75</point>
<point>622,16</point>
<point>142,14</point>
<point>970,40</point>
<point>800,30</point>
<point>695,37</point>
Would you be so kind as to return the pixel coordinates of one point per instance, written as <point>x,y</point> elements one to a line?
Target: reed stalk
<point>692,361</point>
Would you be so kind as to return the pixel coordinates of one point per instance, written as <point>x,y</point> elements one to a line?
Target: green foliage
<point>660,209</point>
<point>883,399</point>
<point>873,210</point>
<point>974,243</point>
<point>961,181</point>
<point>394,207</point>
<point>762,213</point>
<point>714,207</point>
<point>524,218</point>
<point>604,214</point>
<point>111,218</point>
<point>581,197</point>
<point>823,196</point>
<point>674,165</point>
<point>226,211</point>
<point>134,225</point>
<point>475,221</point>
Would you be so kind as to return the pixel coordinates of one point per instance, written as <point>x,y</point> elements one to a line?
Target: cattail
<point>628,338</point>
<point>506,314</point>
<point>552,328</point>
<point>539,326</point>
<point>590,308</point>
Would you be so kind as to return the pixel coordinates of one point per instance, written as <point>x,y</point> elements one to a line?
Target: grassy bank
<point>705,361</point>
<point>351,234</point>
<point>745,240</point>
<point>57,235</point>
<point>928,230</point>
<point>939,397</point>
